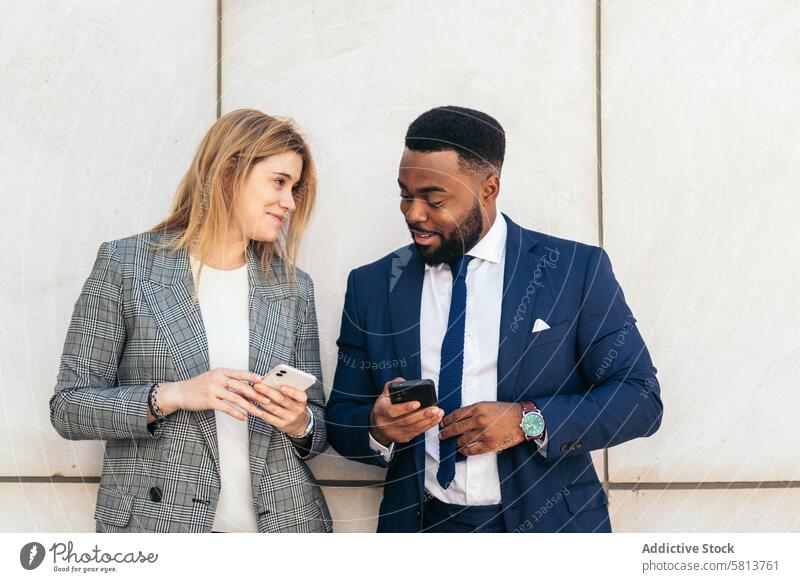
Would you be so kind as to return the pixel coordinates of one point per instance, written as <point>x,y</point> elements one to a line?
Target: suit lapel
<point>405,300</point>
<point>523,281</point>
<point>527,276</point>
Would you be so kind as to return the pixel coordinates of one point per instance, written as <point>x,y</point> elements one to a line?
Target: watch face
<point>533,424</point>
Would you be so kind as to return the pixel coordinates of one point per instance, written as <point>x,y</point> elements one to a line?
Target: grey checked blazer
<point>134,324</point>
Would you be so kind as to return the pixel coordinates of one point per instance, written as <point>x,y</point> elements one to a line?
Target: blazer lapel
<point>168,292</point>
<point>266,312</point>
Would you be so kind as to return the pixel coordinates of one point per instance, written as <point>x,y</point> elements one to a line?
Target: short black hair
<point>477,138</point>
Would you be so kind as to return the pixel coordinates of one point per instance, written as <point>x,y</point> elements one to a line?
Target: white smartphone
<point>284,374</point>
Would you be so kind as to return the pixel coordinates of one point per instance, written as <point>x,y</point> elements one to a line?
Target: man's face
<point>440,204</point>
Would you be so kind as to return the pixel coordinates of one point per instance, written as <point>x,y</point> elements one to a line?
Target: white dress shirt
<point>224,306</point>
<point>476,480</point>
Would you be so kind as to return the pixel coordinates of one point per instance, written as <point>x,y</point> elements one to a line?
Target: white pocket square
<point>539,325</point>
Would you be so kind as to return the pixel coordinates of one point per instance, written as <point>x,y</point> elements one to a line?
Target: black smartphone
<point>423,391</point>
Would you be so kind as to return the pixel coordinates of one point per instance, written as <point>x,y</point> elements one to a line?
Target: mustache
<point>422,230</point>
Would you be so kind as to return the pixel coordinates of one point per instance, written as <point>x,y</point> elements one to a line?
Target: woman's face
<point>266,197</point>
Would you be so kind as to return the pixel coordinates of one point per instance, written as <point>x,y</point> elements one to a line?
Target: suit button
<point>565,447</point>
<point>419,514</point>
<point>155,494</point>
<point>578,444</point>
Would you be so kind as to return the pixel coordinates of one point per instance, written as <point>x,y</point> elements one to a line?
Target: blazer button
<point>155,494</point>
<point>565,447</point>
<point>578,444</point>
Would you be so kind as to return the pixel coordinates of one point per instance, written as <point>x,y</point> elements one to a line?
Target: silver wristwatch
<point>309,428</point>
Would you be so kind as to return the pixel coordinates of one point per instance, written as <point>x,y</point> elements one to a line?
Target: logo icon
<point>399,261</point>
<point>31,555</point>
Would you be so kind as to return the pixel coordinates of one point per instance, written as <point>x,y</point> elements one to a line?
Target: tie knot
<point>459,266</point>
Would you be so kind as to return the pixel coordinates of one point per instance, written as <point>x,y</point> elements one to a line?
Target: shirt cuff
<point>385,452</point>
<point>542,444</point>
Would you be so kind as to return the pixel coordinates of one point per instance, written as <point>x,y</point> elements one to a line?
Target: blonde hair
<point>203,204</point>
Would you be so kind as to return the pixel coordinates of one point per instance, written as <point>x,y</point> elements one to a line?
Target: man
<point>534,352</point>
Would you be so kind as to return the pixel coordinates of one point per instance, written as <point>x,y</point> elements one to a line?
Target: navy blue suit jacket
<point>590,374</point>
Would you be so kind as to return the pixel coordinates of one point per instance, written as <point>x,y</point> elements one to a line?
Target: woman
<point>175,328</point>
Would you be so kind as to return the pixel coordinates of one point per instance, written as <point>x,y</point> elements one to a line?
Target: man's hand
<point>484,427</point>
<point>400,422</point>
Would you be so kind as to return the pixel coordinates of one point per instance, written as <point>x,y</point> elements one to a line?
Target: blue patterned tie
<point>451,367</point>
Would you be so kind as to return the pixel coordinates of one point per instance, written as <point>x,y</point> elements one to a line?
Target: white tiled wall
<point>706,510</point>
<point>701,139</point>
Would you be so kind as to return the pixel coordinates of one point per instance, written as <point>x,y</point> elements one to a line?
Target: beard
<point>460,240</point>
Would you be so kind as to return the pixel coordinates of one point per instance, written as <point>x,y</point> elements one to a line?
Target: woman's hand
<point>285,408</point>
<point>220,389</point>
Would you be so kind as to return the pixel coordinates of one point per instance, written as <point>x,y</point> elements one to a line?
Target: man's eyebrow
<point>431,189</point>
<point>424,189</point>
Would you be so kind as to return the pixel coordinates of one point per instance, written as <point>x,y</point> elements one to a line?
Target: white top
<point>476,481</point>
<point>224,306</point>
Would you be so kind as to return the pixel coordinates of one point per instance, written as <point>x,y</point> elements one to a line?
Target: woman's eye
<point>280,182</point>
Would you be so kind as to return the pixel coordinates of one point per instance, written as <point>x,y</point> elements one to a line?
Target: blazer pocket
<point>548,336</point>
<point>113,507</point>
<point>585,496</point>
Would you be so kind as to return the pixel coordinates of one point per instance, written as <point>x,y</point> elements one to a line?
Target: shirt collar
<point>491,247</point>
